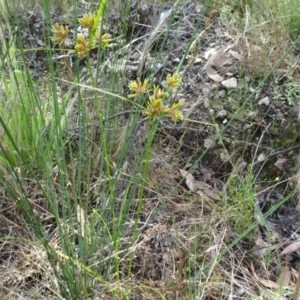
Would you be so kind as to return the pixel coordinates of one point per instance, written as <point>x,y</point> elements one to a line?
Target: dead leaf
<point>235,55</point>
<point>267,283</point>
<point>212,193</point>
<point>207,143</point>
<point>213,74</point>
<point>285,276</point>
<point>222,33</point>
<point>261,247</point>
<point>189,180</point>
<point>291,248</point>
<point>200,187</point>
<point>84,223</point>
<point>220,60</point>
<point>191,183</point>
<point>219,32</point>
<point>209,53</point>
<point>280,163</point>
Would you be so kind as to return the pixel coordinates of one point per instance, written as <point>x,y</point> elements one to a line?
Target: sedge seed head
<point>60,33</point>
<point>88,21</point>
<point>159,93</point>
<point>173,80</point>
<point>138,87</point>
<point>104,38</point>
<point>155,108</point>
<point>174,111</point>
<point>81,46</point>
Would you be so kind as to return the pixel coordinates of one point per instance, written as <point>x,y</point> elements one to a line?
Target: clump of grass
<point>239,206</point>
<point>263,33</point>
<point>80,182</point>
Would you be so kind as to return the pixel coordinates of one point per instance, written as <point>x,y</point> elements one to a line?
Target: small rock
<point>251,114</point>
<point>265,101</point>
<point>230,83</point>
<point>222,113</point>
<point>241,167</point>
<point>198,60</point>
<point>222,94</point>
<point>240,292</point>
<point>229,74</point>
<point>206,88</point>
<point>223,156</point>
<point>261,157</point>
<point>244,126</point>
<point>210,52</point>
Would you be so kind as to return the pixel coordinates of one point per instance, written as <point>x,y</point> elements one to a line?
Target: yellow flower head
<point>174,112</point>
<point>159,93</point>
<point>138,87</point>
<point>88,21</point>
<point>155,108</point>
<point>60,33</point>
<point>82,46</point>
<point>105,39</point>
<point>173,80</point>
